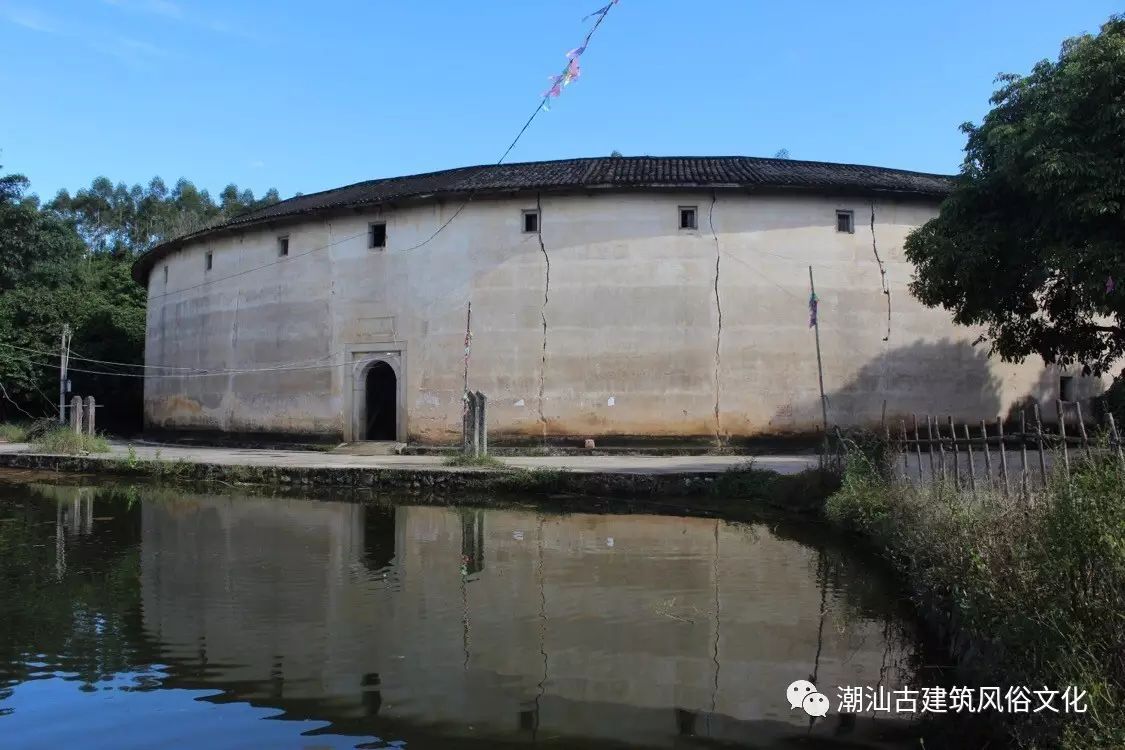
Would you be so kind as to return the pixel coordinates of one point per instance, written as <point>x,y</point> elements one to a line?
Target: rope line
<point>472,193</point>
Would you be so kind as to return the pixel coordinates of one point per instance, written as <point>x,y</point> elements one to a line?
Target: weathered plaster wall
<point>626,338</point>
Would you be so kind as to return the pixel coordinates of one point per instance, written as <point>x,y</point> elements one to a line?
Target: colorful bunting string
<point>572,70</point>
<point>600,11</point>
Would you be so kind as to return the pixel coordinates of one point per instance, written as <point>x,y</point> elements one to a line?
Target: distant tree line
<point>68,261</point>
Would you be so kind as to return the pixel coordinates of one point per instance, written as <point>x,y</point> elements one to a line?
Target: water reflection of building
<point>74,517</point>
<point>636,628</point>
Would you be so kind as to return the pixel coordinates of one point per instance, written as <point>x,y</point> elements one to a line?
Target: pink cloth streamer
<point>572,71</point>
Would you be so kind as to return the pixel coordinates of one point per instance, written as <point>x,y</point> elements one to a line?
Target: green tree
<point>1031,242</point>
<point>68,263</point>
<point>30,240</point>
<point>106,310</point>
<point>128,220</point>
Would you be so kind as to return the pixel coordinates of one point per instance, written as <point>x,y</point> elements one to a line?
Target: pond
<point>143,617</point>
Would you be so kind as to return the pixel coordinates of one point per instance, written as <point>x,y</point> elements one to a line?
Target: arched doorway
<point>381,396</point>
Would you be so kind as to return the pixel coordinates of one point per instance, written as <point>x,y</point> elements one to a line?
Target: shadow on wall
<point>939,378</point>
<point>1054,384</point>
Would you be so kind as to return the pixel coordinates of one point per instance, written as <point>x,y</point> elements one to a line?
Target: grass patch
<point>12,432</point>
<point>534,480</point>
<point>1026,592</point>
<point>460,459</point>
<point>155,467</point>
<point>66,440</point>
<point>804,491</point>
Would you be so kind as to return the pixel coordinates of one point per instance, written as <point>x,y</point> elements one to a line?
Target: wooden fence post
<point>905,446</point>
<point>972,463</point>
<point>917,448</point>
<point>90,410</point>
<point>987,455</point>
<point>76,414</point>
<point>1062,434</point>
<point>930,449</point>
<point>1082,429</point>
<point>1042,447</point>
<point>941,447</point>
<point>1025,490</point>
<point>1115,438</point>
<point>956,457</point>
<point>1003,453</point>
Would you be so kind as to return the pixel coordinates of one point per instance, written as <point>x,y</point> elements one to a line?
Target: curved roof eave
<point>613,173</point>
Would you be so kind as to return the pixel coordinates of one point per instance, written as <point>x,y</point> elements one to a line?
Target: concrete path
<point>316,459</point>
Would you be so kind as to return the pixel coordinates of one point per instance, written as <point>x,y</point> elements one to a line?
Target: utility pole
<point>64,361</point>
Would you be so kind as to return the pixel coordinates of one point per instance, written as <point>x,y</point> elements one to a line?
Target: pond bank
<point>1024,592</point>
<point>789,482</point>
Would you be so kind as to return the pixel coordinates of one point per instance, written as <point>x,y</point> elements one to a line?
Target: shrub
<point>863,501</point>
<point>1026,593</point>
<point>12,432</point>
<point>26,432</point>
<point>66,440</point>
<point>1113,402</point>
<point>801,492</point>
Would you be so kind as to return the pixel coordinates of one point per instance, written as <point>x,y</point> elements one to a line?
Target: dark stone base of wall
<point>795,446</point>
<point>726,493</point>
<point>510,445</point>
<point>666,445</point>
<point>261,440</point>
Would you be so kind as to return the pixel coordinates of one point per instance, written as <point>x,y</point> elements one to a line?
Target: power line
<point>73,355</point>
<point>191,370</point>
<point>202,374</point>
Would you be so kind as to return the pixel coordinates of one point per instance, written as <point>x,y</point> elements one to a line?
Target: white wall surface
<point>633,344</point>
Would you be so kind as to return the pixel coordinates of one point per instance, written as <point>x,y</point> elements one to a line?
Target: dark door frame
<point>363,357</point>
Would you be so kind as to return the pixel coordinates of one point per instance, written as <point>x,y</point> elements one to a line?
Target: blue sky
<point>306,96</point>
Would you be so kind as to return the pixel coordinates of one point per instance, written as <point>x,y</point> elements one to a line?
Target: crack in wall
<point>882,272</point>
<point>719,327</point>
<point>543,310</point>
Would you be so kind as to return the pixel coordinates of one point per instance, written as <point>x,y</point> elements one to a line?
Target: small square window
<point>377,235</point>
<point>283,245</point>
<point>845,222</point>
<point>531,222</point>
<point>688,217</point>
<point>210,260</point>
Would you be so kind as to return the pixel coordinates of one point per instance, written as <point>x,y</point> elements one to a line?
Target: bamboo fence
<point>985,456</point>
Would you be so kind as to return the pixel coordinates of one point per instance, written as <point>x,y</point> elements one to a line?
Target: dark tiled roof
<point>621,173</point>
